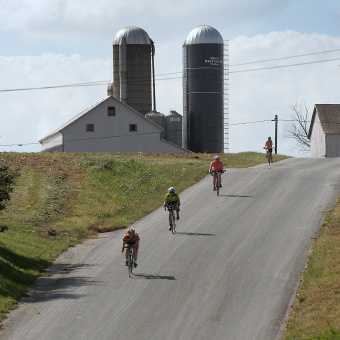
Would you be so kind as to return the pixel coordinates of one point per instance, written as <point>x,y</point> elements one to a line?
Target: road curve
<point>231,271</point>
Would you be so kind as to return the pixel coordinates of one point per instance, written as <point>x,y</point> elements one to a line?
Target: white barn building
<point>324,131</point>
<point>109,126</point>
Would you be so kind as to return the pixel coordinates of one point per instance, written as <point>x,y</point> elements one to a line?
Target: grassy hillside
<point>61,199</point>
<point>316,310</point>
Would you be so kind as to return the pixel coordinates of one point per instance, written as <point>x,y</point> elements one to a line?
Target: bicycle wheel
<point>130,269</point>
<point>171,220</point>
<point>130,264</point>
<point>217,186</point>
<point>173,223</point>
<point>269,157</point>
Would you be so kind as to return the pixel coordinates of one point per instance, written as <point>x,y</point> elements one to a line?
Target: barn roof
<point>329,116</point>
<point>88,110</point>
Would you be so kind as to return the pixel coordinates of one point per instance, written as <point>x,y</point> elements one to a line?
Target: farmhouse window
<point>90,127</point>
<point>111,111</point>
<point>133,127</point>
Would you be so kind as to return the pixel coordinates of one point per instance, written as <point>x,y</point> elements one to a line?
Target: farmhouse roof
<point>329,116</point>
<point>79,115</point>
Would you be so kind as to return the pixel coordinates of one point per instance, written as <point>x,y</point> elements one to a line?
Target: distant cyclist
<point>269,146</point>
<point>216,166</point>
<point>172,198</point>
<point>131,238</point>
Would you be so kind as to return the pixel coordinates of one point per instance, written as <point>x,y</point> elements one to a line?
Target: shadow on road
<point>193,234</point>
<point>65,268</point>
<point>55,289</point>
<point>237,196</point>
<point>56,285</point>
<point>154,277</point>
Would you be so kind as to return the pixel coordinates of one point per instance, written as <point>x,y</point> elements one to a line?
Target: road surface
<point>231,271</point>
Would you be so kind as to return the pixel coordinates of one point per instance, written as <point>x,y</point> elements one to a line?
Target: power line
<point>149,133</point>
<point>19,144</point>
<point>30,118</point>
<point>102,82</point>
<point>262,68</point>
<point>105,82</point>
<point>272,67</point>
<point>257,121</point>
<point>139,134</point>
<point>294,56</point>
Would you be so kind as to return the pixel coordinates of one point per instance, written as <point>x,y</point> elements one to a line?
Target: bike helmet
<point>217,158</point>
<point>131,231</point>
<point>171,190</point>
<point>269,137</point>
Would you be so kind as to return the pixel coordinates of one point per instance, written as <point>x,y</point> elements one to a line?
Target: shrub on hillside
<point>7,180</point>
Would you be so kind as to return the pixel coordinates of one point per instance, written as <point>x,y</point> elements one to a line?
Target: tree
<point>7,180</point>
<point>298,127</point>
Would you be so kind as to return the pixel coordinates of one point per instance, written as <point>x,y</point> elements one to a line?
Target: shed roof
<point>329,116</point>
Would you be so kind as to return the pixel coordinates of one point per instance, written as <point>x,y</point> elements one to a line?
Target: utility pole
<point>275,120</point>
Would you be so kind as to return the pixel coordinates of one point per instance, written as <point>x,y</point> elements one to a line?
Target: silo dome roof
<point>174,113</point>
<point>133,35</point>
<point>204,34</point>
<point>154,114</point>
<point>110,85</point>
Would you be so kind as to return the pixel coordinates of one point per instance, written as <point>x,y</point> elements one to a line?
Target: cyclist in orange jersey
<point>131,238</point>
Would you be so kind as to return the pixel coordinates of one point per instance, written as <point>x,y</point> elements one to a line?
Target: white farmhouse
<point>109,126</point>
<point>324,131</point>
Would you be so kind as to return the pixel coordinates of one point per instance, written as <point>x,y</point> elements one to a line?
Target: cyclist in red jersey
<point>269,145</point>
<point>217,166</point>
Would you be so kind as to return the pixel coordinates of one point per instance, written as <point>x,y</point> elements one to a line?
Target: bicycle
<point>130,259</point>
<point>217,181</point>
<point>172,209</point>
<point>269,155</point>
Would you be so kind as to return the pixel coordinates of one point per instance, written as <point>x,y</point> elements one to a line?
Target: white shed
<point>324,131</point>
<point>109,126</point>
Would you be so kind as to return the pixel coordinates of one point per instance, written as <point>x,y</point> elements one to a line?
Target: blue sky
<point>56,42</point>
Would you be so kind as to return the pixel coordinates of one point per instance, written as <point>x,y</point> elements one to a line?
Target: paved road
<point>231,272</point>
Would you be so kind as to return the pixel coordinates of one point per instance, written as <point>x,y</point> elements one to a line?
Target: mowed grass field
<point>61,199</point>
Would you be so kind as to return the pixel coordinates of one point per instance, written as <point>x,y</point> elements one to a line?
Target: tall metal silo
<point>173,128</point>
<point>110,88</point>
<point>203,101</point>
<point>157,118</point>
<point>133,52</point>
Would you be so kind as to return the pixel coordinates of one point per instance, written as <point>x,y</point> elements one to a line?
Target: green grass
<point>316,311</point>
<point>61,199</point>
<point>24,256</point>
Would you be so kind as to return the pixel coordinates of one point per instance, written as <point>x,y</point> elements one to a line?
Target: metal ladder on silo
<point>226,95</point>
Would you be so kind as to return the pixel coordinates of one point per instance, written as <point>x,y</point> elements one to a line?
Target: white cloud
<point>83,20</point>
<point>260,95</point>
<point>78,35</point>
<point>27,116</point>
